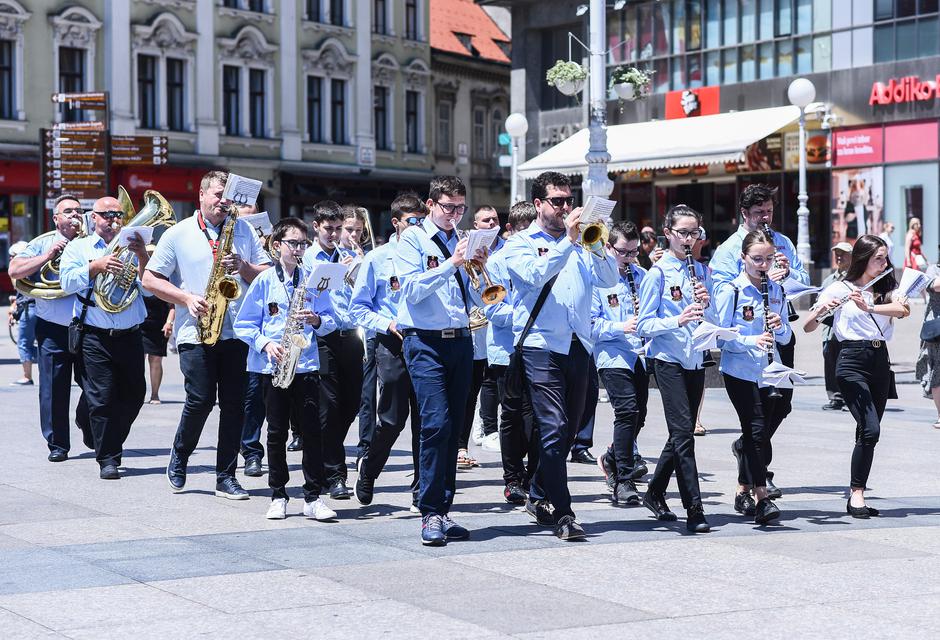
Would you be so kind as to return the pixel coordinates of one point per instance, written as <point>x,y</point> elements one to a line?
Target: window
<point>379,15</point>
<point>678,28</point>
<point>822,53</point>
<point>315,109</point>
<point>313,10</point>
<point>338,12</point>
<point>730,60</point>
<point>766,19</point>
<point>256,111</point>
<point>231,4</point>
<point>496,121</point>
<point>804,16</point>
<point>479,133</point>
<point>7,83</point>
<point>411,19</point>
<point>256,5</point>
<point>694,66</point>
<point>748,64</point>
<point>338,111</point>
<point>748,21</point>
<point>380,114</point>
<point>927,37</point>
<point>175,94</point>
<point>71,78</point>
<point>804,55</point>
<point>412,125</point>
<point>231,112</point>
<point>147,91</point>
<point>906,40</point>
<point>712,24</point>
<point>765,61</point>
<point>785,58</point>
<point>730,23</point>
<point>694,12</point>
<point>784,19</point>
<point>445,145</point>
<point>712,68</point>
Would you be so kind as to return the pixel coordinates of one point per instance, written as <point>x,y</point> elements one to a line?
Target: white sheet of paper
<point>480,238</point>
<point>127,234</point>
<point>796,289</point>
<point>706,335</point>
<point>913,282</point>
<point>241,190</point>
<point>781,376</point>
<point>597,210</point>
<point>260,222</point>
<point>326,276</point>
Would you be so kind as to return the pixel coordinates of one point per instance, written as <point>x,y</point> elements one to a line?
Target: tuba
<point>222,287</point>
<point>44,284</point>
<point>116,292</point>
<point>293,341</point>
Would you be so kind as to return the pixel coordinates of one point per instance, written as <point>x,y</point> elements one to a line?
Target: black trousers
<point>396,401</point>
<point>299,401</point>
<point>57,366</point>
<point>516,437</point>
<point>476,383</point>
<point>367,408</point>
<point>681,391</point>
<point>782,406</point>
<point>113,373</point>
<point>340,396</point>
<point>254,417</point>
<point>557,387</point>
<point>863,373</point>
<point>830,357</point>
<point>489,401</point>
<point>210,372</point>
<point>629,394</point>
<point>753,404</point>
<point>584,435</point>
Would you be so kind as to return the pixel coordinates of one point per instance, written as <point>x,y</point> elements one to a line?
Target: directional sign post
<point>139,150</point>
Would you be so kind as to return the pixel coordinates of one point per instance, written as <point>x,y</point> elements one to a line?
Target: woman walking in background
<point>927,368</point>
<point>156,330</point>
<point>913,256</point>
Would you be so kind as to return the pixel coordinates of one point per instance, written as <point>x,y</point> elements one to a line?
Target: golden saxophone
<point>222,287</point>
<point>293,342</point>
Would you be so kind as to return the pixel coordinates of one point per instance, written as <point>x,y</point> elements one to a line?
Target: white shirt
<point>184,256</point>
<point>850,322</point>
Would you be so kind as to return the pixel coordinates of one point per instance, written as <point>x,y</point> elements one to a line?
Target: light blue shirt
<point>665,292</point>
<point>741,357</point>
<point>612,308</point>
<point>431,297</point>
<point>377,294</point>
<point>340,297</point>
<point>263,315</point>
<point>74,277</point>
<point>500,340</point>
<point>532,258</point>
<point>58,311</point>
<point>726,261</point>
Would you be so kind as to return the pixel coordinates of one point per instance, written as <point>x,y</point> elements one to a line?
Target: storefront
<point>20,217</point>
<point>179,185</point>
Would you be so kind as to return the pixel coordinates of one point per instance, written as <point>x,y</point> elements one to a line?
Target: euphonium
<point>116,292</point>
<point>44,284</point>
<point>222,287</point>
<point>293,342</point>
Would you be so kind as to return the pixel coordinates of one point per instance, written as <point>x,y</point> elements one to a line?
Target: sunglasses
<point>559,201</point>
<point>73,211</point>
<point>110,215</point>
<point>413,220</point>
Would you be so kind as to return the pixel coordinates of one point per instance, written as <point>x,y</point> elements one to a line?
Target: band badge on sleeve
<point>613,301</point>
<point>676,292</point>
<point>542,251</point>
<point>747,312</point>
<point>433,262</point>
<point>393,283</point>
<point>273,309</point>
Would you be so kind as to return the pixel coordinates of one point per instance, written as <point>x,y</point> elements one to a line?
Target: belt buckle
<point>876,344</point>
<point>448,333</point>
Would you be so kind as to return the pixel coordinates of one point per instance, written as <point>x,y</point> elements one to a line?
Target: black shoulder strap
<point>543,295</point>
<point>86,302</point>
<point>463,291</point>
<point>734,309</point>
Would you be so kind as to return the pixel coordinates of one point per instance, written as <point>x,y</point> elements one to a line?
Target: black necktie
<point>335,257</point>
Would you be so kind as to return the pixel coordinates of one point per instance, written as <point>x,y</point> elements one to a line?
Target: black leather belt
<point>438,333</point>
<point>112,333</point>
<point>876,344</point>
<point>341,333</point>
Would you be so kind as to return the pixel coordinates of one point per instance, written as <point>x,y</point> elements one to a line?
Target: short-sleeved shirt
<point>58,311</point>
<point>850,322</point>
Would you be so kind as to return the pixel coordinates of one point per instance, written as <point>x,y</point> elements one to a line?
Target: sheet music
<point>913,282</point>
<point>126,234</point>
<point>796,289</point>
<point>706,335</point>
<point>241,190</point>
<point>781,376</point>
<point>260,222</point>
<point>326,276</point>
<point>597,210</point>
<point>480,238</point>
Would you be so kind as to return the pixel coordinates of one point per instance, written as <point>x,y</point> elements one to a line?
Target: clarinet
<point>633,292</point>
<point>764,294</point>
<point>707,360</point>
<point>792,315</point>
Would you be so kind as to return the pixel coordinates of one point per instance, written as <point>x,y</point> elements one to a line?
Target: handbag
<point>515,374</point>
<point>77,327</point>
<point>930,330</point>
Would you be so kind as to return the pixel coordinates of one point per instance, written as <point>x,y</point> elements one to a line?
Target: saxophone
<point>222,287</point>
<point>293,342</point>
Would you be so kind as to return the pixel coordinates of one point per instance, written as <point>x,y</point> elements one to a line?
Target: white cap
<point>843,246</point>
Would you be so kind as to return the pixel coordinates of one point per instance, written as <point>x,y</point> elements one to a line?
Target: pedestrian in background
<point>927,368</point>
<point>913,256</point>
<point>23,311</point>
<point>155,332</point>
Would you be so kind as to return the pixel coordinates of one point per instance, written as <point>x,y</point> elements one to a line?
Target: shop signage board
<point>858,146</point>
<point>75,162</point>
<point>818,152</point>
<point>906,89</point>
<point>92,100</point>
<point>138,150</point>
<point>689,103</point>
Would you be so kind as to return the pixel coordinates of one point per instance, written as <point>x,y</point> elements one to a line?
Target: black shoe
<point>859,512</point>
<point>833,405</point>
<point>88,439</point>
<point>766,511</point>
<point>176,472</point>
<point>253,467</point>
<point>639,468</point>
<point>514,493</point>
<point>229,488</point>
<point>109,472</point>
<point>744,503</point>
<point>695,519</point>
<point>608,468</point>
<point>656,503</point>
<point>296,444</point>
<point>339,490</point>
<point>583,457</point>
<point>359,460</point>
<point>541,511</point>
<point>625,494</point>
<point>452,530</point>
<point>365,487</point>
<point>58,456</point>
<point>568,529</point>
<point>773,492</point>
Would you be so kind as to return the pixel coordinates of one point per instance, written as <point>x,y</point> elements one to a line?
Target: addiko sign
<point>907,89</point>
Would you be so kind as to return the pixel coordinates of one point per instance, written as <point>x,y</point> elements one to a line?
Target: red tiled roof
<point>465,17</point>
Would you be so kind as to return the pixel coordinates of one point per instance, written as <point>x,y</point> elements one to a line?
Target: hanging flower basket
<point>630,83</point>
<point>566,76</point>
<point>625,91</point>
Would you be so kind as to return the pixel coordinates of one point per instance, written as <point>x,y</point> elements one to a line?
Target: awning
<point>664,144</point>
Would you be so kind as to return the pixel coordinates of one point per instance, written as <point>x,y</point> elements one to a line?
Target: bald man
<point>111,351</point>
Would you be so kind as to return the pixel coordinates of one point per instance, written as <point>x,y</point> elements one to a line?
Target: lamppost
<point>597,182</point>
<point>516,126</point>
<point>801,93</point>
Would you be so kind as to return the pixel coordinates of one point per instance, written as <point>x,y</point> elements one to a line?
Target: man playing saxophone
<point>111,351</point>
<point>278,311</point>
<point>179,272</point>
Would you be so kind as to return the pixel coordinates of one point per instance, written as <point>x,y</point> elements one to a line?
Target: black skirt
<point>152,328</point>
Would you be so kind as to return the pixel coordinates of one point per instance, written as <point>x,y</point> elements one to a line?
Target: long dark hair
<point>865,247</point>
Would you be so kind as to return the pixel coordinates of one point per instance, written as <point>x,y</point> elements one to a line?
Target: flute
<point>830,311</point>
<point>765,297</point>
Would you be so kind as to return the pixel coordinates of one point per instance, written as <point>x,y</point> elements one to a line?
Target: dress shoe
<point>606,464</point>
<point>568,529</point>
<point>318,510</point>
<point>432,531</point>
<point>766,511</point>
<point>58,456</point>
<point>452,530</point>
<point>365,487</point>
<point>253,467</point>
<point>859,512</point>
<point>833,405</point>
<point>744,503</point>
<point>109,472</point>
<point>583,457</point>
<point>541,511</point>
<point>296,444</point>
<point>229,488</point>
<point>514,493</point>
<point>176,472</point>
<point>656,503</point>
<point>339,490</point>
<point>695,519</point>
<point>625,494</point>
<point>639,468</point>
<point>773,491</point>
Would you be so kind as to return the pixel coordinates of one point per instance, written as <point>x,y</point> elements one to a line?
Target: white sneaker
<point>476,434</point>
<point>491,442</point>
<point>318,510</point>
<point>277,510</point>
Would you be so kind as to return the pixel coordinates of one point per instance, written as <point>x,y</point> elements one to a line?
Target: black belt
<point>438,333</point>
<point>112,333</point>
<point>340,333</point>
<point>875,344</point>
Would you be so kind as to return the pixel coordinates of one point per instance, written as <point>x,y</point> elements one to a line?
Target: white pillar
<point>117,66</point>
<point>597,182</point>
<point>207,127</point>
<point>288,82</point>
<point>364,136</point>
<point>802,213</point>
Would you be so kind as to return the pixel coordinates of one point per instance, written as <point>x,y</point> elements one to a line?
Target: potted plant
<point>566,76</point>
<point>630,83</point>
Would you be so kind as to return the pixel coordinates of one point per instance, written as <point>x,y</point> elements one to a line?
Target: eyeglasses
<point>761,260</point>
<point>459,209</point>
<point>110,215</point>
<point>73,211</point>
<point>626,253</point>
<point>685,234</point>
<point>414,220</point>
<point>559,201</point>
<point>296,244</point>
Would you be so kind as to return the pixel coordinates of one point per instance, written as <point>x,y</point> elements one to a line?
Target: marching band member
<point>556,350</point>
<point>859,304</point>
<point>375,302</point>
<point>179,272</point>
<point>672,303</point>
<point>841,257</point>
<point>340,352</point>
<point>277,302</point>
<point>57,365</point>
<point>616,346</point>
<point>111,349</point>
<point>762,327</point>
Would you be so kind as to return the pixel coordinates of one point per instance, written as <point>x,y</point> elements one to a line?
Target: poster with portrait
<point>857,203</point>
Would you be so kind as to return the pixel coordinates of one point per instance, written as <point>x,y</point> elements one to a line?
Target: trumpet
<point>765,298</point>
<point>594,236</point>
<point>828,312</point>
<point>476,272</point>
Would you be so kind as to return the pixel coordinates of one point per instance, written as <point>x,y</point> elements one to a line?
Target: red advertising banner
<point>704,101</point>
<point>858,146</point>
<point>910,142</point>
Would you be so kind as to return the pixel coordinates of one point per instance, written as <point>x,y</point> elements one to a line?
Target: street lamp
<point>801,93</point>
<point>516,126</point>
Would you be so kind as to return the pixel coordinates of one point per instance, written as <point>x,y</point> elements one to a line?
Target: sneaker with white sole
<point>476,434</point>
<point>277,510</point>
<point>318,510</point>
<point>491,442</point>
